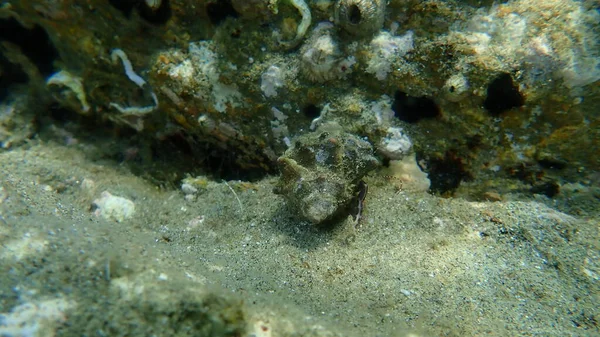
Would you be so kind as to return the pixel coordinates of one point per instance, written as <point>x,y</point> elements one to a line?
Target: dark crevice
<point>474,142</point>
<point>157,16</point>
<point>61,115</point>
<point>412,109</point>
<point>220,10</point>
<point>547,188</point>
<point>355,16</point>
<point>124,6</point>
<point>311,111</point>
<point>526,172</point>
<point>163,161</point>
<point>74,123</point>
<point>34,43</point>
<point>502,95</point>
<point>180,153</point>
<point>552,163</point>
<point>10,74</point>
<point>447,173</point>
<point>536,177</point>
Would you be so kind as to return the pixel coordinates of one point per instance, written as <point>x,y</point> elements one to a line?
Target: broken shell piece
<point>74,97</point>
<point>304,10</point>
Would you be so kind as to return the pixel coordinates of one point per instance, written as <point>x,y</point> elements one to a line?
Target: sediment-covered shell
<point>360,17</point>
<point>320,173</point>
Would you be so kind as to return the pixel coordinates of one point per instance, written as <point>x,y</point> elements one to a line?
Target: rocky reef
<point>494,97</point>
<point>141,142</point>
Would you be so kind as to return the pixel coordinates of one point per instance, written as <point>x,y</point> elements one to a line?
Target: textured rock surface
<point>488,89</point>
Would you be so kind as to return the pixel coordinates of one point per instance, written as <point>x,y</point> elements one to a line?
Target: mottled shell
<point>360,17</point>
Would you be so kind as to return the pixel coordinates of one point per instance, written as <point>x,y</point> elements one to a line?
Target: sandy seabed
<point>213,265</point>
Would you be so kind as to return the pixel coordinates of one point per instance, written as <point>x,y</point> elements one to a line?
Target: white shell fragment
<point>114,208</point>
<point>396,144</point>
<point>74,83</point>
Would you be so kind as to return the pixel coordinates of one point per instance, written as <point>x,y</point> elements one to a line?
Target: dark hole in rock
<point>526,172</point>
<point>306,157</point>
<point>354,15</point>
<point>474,141</point>
<point>549,189</point>
<point>10,74</point>
<point>180,154</point>
<point>502,95</point>
<point>219,11</point>
<point>60,114</point>
<point>164,160</point>
<point>323,136</point>
<point>124,6</point>
<point>553,164</point>
<point>447,173</point>
<point>34,43</point>
<point>171,157</point>
<point>236,33</point>
<point>157,16</point>
<point>311,111</point>
<point>385,162</point>
<point>412,109</point>
<point>225,165</point>
<point>87,128</point>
